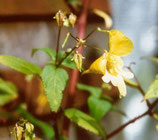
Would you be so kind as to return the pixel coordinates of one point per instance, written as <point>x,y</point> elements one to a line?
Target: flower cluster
<point>63,20</point>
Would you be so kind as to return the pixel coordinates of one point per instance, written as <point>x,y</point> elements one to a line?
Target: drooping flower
<point>110,64</point>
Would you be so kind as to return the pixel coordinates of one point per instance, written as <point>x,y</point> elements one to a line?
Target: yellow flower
<point>110,64</point>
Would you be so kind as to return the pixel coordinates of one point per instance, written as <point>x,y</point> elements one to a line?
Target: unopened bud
<point>68,50</point>
<point>78,60</point>
<point>59,18</point>
<point>72,19</point>
<point>29,127</point>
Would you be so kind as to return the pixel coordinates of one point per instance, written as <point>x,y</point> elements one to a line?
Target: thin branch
<point>148,112</point>
<point>67,54</point>
<point>139,87</point>
<point>94,30</point>
<point>95,48</point>
<point>73,37</point>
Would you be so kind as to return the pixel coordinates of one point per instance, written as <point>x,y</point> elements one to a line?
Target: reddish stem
<point>81,26</point>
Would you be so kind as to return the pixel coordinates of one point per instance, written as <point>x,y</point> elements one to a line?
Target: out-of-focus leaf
<point>85,121</point>
<point>98,108</point>
<point>106,97</point>
<point>153,89</point>
<point>75,2</point>
<point>114,108</point>
<point>50,52</point>
<point>46,128</point>
<point>54,81</point>
<point>105,16</point>
<point>154,59</point>
<point>95,91</point>
<point>19,65</point>
<point>8,115</point>
<point>8,92</point>
<point>62,137</point>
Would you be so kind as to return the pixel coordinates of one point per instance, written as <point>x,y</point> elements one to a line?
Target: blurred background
<point>27,24</point>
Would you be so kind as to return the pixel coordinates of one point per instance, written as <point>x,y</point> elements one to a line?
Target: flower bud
<point>78,60</point>
<point>72,19</point>
<point>29,127</point>
<point>60,17</point>
<point>68,50</point>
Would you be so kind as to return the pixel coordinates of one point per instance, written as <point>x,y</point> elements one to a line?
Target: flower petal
<point>118,81</point>
<point>119,44</point>
<point>98,66</point>
<point>122,87</point>
<point>128,75</point>
<point>106,78</point>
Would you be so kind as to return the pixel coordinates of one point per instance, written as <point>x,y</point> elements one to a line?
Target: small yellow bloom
<point>110,64</point>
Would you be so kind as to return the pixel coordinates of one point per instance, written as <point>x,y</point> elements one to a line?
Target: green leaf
<point>62,137</point>
<point>8,92</point>
<point>95,91</point>
<point>54,80</point>
<point>98,108</point>
<point>19,64</point>
<point>114,108</point>
<point>46,128</point>
<point>8,115</point>
<point>85,121</point>
<point>153,89</point>
<point>50,52</point>
<point>68,61</point>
